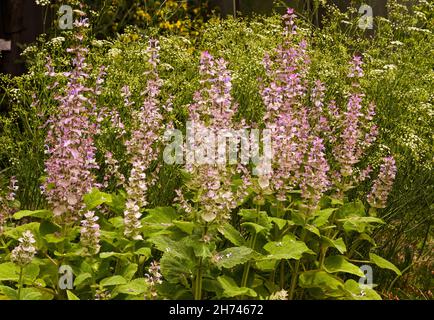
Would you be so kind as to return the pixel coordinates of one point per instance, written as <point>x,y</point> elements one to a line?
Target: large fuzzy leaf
<point>356,291</point>
<point>44,214</point>
<point>335,243</point>
<point>231,289</point>
<point>96,198</point>
<point>287,248</point>
<point>232,257</point>
<point>320,279</point>
<point>334,264</point>
<point>232,234</point>
<point>383,263</point>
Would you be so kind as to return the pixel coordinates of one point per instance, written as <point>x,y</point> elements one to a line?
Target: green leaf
<point>71,296</point>
<point>96,198</point>
<point>81,278</point>
<point>366,237</point>
<point>177,265</point>
<point>355,208</point>
<point>53,238</point>
<point>288,248</point>
<point>143,252</point>
<point>280,223</point>
<point>9,272</point>
<point>117,222</point>
<point>30,273</point>
<point>130,271</point>
<point>253,216</point>
<point>232,234</point>
<point>335,264</point>
<point>18,231</point>
<point>201,249</point>
<point>30,294</point>
<point>162,216</point>
<point>232,257</point>
<point>383,263</point>
<point>298,218</point>
<point>48,227</point>
<point>231,289</point>
<point>117,204</point>
<point>163,243</point>
<point>256,228</point>
<point>172,291</point>
<point>335,201</point>
<point>322,216</point>
<point>185,226</point>
<point>35,294</point>
<point>359,224</point>
<point>249,214</point>
<point>134,287</point>
<point>319,279</point>
<point>36,214</point>
<point>266,265</point>
<point>338,244</point>
<point>313,229</point>
<point>357,291</point>
<point>113,281</point>
<point>9,292</point>
<point>105,255</point>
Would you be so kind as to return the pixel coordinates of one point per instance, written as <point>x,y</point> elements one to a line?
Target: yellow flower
<point>141,13</point>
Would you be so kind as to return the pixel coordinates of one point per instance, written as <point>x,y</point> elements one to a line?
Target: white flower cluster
<point>90,233</point>
<point>114,52</point>
<point>23,254</point>
<point>57,42</point>
<point>29,50</point>
<point>279,295</point>
<point>42,3</point>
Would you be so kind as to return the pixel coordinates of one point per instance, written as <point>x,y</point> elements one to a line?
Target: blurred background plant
<point>110,17</point>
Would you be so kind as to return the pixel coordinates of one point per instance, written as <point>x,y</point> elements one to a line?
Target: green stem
<point>4,245</point>
<point>199,275</point>
<point>20,281</point>
<point>252,246</point>
<point>322,254</point>
<point>294,276</point>
<point>248,264</point>
<point>294,280</point>
<point>198,282</point>
<point>359,261</point>
<point>245,274</point>
<point>282,274</point>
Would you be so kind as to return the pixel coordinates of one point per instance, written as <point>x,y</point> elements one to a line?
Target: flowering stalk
<point>296,126</point>
<point>23,254</point>
<point>90,234</point>
<point>142,147</point>
<point>377,198</point>
<point>70,141</point>
<point>211,113</point>
<point>7,205</point>
<point>355,132</point>
<point>153,278</point>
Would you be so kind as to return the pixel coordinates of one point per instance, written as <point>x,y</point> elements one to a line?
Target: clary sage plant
<point>290,230</point>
